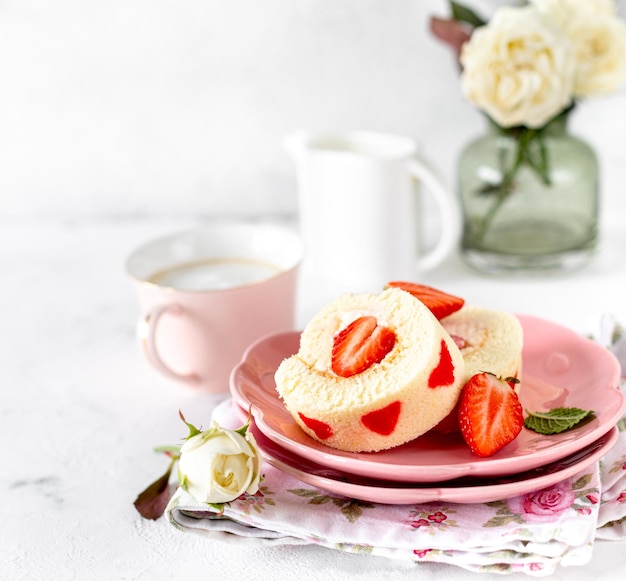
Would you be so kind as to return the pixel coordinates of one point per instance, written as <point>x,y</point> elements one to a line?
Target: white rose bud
<point>219,465</point>
<point>518,68</point>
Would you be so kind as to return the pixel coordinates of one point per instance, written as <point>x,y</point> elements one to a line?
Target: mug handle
<point>147,330</point>
<point>450,226</point>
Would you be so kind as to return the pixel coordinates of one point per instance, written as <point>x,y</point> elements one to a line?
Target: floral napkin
<point>532,533</point>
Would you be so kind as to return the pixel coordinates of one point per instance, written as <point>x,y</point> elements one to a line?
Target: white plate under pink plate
<point>560,368</point>
<point>463,490</point>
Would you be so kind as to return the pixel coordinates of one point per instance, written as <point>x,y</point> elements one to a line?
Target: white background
<point>178,108</point>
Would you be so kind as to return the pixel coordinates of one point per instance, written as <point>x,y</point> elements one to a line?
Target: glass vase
<point>529,199</point>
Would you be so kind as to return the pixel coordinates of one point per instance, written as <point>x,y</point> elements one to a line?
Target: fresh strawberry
<point>441,304</point>
<point>361,344</point>
<point>490,414</point>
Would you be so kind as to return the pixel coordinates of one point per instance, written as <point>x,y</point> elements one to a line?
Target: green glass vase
<point>529,199</point>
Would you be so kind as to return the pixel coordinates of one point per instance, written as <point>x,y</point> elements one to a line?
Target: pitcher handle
<point>147,330</point>
<point>450,222</point>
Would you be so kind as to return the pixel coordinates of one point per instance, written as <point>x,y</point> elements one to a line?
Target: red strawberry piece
<point>384,420</point>
<point>360,345</point>
<point>490,414</point>
<point>441,304</point>
<point>322,430</point>
<point>443,374</point>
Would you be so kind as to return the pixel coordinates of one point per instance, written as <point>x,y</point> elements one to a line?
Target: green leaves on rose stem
<point>151,502</point>
<point>242,431</point>
<point>193,431</point>
<point>464,14</point>
<point>556,420</point>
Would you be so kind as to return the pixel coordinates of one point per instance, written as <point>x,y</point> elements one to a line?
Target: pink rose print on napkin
<point>544,505</point>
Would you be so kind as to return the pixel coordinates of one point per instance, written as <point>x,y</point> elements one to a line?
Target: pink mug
<point>207,294</point>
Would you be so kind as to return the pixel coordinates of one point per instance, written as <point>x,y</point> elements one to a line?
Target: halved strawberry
<point>441,304</point>
<point>361,344</point>
<point>490,414</point>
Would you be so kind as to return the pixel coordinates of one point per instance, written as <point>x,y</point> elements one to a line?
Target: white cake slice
<point>389,401</point>
<point>489,340</point>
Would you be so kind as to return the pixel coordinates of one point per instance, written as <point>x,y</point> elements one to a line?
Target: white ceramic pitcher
<point>359,209</point>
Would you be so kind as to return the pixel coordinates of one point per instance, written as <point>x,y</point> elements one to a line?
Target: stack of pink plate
<point>560,369</point>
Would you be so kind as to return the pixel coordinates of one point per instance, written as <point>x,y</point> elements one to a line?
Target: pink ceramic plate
<point>560,368</point>
<point>461,490</point>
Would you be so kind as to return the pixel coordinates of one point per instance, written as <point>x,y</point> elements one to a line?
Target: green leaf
<point>243,429</point>
<point>218,506</point>
<point>172,451</point>
<point>500,521</point>
<point>304,492</point>
<point>193,431</point>
<point>582,482</point>
<point>352,511</point>
<point>152,501</point>
<point>465,14</point>
<point>320,499</point>
<point>556,420</point>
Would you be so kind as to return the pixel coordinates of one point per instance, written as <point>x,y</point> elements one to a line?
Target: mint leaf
<point>556,420</point>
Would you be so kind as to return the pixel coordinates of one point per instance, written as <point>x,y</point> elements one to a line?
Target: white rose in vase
<point>526,68</point>
<point>518,68</point>
<point>219,465</point>
<point>598,37</point>
<point>600,45</point>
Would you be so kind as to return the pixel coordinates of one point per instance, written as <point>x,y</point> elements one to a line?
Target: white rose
<point>518,68</point>
<point>599,40</point>
<point>600,49</point>
<point>218,465</point>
